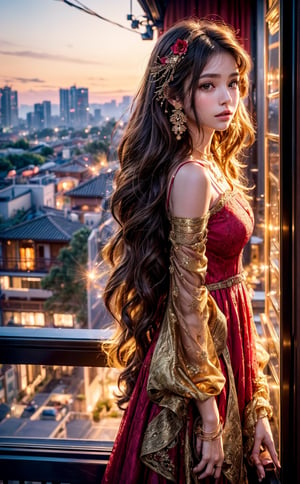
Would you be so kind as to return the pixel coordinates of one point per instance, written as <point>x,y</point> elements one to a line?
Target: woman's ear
<point>175,102</point>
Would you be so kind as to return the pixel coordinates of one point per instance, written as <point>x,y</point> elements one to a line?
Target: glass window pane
<point>60,402</point>
<point>273,115</point>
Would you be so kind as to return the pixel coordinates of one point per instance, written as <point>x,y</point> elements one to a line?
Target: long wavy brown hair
<point>138,284</point>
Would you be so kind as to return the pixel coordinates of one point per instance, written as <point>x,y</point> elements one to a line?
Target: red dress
<point>229,228</point>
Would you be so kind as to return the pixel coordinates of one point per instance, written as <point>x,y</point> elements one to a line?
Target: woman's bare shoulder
<point>191,191</point>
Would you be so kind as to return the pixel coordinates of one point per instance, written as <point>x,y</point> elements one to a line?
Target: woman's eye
<point>207,86</point>
<point>234,83</point>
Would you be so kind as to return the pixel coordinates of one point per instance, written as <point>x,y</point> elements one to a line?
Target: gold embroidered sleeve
<point>193,332</point>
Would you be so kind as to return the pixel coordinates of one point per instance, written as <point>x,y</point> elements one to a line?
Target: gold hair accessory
<point>178,121</point>
<point>164,68</point>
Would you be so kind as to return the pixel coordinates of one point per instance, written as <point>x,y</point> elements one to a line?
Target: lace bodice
<point>229,229</point>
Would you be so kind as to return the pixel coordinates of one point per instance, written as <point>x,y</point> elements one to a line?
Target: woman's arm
<point>190,198</point>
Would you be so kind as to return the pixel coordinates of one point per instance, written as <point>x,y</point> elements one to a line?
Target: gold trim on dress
<point>231,281</point>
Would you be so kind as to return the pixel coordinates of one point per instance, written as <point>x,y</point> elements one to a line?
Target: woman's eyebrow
<point>233,74</point>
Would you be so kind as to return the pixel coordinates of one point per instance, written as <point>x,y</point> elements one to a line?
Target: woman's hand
<point>209,452</point>
<point>211,457</point>
<point>263,438</point>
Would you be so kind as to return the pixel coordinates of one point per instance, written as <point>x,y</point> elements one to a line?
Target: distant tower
<point>73,103</point>
<point>64,103</point>
<point>47,114</point>
<point>82,106</point>
<point>74,106</point>
<point>97,115</point>
<point>8,107</point>
<point>38,116</point>
<point>14,108</point>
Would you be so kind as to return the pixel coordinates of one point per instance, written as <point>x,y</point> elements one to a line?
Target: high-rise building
<point>38,115</point>
<point>32,121</point>
<point>82,106</point>
<point>64,104</point>
<point>47,114</point>
<point>8,107</point>
<point>97,115</point>
<point>14,108</point>
<point>74,106</point>
<point>41,117</point>
<point>73,102</point>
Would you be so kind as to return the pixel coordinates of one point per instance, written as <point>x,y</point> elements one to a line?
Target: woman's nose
<point>225,96</point>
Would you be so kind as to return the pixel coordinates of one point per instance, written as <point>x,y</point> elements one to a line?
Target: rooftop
<point>97,187</point>
<point>47,227</point>
<point>75,166</point>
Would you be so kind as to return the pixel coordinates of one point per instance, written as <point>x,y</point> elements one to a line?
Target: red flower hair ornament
<point>163,70</point>
<point>180,47</point>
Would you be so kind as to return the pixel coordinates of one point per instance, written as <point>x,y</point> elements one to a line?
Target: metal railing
<point>27,264</point>
<point>52,460</point>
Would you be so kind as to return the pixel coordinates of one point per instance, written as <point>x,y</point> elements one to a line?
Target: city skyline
<point>45,46</point>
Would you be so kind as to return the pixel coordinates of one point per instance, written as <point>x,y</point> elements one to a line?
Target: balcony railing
<point>52,460</point>
<point>36,264</point>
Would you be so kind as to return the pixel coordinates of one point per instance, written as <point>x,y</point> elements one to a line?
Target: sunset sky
<point>46,44</point>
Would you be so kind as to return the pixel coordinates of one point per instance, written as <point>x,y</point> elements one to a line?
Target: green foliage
<point>43,133</point>
<point>114,414</point>
<point>94,130</point>
<point>64,133</point>
<point>79,134</point>
<point>96,147</point>
<point>19,217</point>
<point>68,280</point>
<point>96,416</point>
<point>104,404</point>
<point>5,164</point>
<point>47,151</point>
<point>46,133</point>
<point>107,129</point>
<point>21,161</point>
<point>22,143</point>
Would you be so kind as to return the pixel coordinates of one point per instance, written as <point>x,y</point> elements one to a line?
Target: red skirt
<point>125,466</point>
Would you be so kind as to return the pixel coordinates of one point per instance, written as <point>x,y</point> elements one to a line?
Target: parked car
<point>57,412</point>
<point>29,410</point>
<point>49,413</point>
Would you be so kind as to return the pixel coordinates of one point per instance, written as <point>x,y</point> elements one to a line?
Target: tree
<point>47,151</point>
<point>68,280</point>
<point>96,147</point>
<point>21,143</point>
<point>22,161</point>
<point>107,129</point>
<point>5,164</point>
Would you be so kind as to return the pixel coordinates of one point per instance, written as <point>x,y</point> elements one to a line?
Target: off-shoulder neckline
<point>217,207</point>
<point>221,201</point>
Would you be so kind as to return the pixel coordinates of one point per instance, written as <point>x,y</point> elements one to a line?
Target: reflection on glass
<point>59,402</point>
<point>273,160</point>
<point>273,115</point>
<point>271,318</point>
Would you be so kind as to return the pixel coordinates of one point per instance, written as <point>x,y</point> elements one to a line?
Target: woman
<point>197,400</point>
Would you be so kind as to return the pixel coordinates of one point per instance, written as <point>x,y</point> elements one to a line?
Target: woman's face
<point>216,97</point>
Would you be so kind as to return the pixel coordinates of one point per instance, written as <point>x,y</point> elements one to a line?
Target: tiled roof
<point>48,227</point>
<point>73,167</point>
<point>97,187</point>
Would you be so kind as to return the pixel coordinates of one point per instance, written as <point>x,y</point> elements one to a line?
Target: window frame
<point>56,460</point>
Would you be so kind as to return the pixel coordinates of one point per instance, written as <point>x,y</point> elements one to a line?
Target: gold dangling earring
<point>178,121</point>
